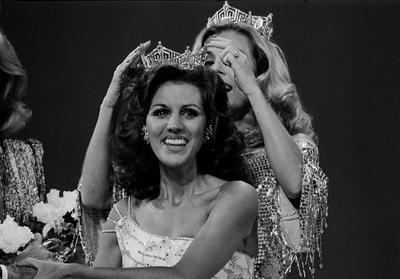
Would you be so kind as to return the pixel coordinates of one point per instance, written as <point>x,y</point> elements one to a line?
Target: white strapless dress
<point>143,249</point>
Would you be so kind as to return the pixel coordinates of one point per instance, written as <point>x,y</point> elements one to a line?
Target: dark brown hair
<point>136,167</point>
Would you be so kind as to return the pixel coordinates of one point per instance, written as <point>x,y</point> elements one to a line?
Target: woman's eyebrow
<point>192,105</point>
<point>158,105</point>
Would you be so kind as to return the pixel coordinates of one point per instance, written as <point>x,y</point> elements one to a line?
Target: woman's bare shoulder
<point>239,192</point>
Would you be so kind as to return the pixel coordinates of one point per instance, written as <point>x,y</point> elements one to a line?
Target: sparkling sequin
<point>287,235</point>
<point>22,182</point>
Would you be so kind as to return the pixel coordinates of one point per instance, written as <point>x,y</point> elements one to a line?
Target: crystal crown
<point>165,56</point>
<point>263,24</point>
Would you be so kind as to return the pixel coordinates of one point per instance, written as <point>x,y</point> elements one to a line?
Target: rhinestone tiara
<point>161,55</point>
<point>263,24</point>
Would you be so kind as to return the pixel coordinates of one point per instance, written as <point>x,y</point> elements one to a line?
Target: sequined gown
<point>140,248</point>
<point>22,182</point>
<point>286,234</point>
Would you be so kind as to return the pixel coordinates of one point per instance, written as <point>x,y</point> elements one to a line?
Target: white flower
<point>51,213</point>
<point>47,213</point>
<point>53,196</point>
<point>75,215</point>
<point>69,200</point>
<point>13,236</point>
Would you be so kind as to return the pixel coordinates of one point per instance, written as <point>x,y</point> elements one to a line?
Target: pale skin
<point>95,191</point>
<point>224,222</point>
<point>245,97</point>
<point>229,53</point>
<point>34,249</point>
<point>191,205</point>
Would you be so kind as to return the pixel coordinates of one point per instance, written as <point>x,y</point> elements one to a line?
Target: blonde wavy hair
<point>272,76</point>
<point>14,113</point>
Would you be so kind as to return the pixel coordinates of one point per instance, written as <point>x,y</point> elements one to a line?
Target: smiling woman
<point>182,118</point>
<point>176,153</point>
<point>176,123</point>
<point>173,153</point>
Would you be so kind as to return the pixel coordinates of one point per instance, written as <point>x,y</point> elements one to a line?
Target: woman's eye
<point>160,113</point>
<point>190,113</point>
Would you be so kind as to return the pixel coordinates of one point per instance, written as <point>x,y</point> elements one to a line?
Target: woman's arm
<point>95,189</point>
<point>298,232</point>
<point>228,225</point>
<point>283,153</point>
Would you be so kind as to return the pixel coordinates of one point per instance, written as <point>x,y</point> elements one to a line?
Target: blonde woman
<point>281,156</point>
<point>22,182</point>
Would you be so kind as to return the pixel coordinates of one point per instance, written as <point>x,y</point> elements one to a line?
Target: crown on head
<point>263,24</point>
<point>165,56</point>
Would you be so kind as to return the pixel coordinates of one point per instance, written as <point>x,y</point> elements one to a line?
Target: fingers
<point>38,239</point>
<point>232,57</point>
<point>217,38</point>
<point>217,44</point>
<point>132,58</point>
<point>136,52</point>
<point>29,262</point>
<point>227,50</point>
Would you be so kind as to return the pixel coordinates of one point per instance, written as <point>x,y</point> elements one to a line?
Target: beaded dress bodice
<point>143,249</point>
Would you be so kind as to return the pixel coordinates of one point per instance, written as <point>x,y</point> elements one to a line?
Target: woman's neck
<point>179,183</point>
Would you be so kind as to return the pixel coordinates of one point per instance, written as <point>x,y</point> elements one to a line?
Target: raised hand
<point>113,92</point>
<point>243,67</point>
<point>35,250</point>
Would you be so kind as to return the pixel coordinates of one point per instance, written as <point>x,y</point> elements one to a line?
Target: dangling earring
<point>208,133</point>
<point>145,135</point>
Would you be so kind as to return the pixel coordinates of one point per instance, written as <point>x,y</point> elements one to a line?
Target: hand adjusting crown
<point>164,56</point>
<point>263,24</point>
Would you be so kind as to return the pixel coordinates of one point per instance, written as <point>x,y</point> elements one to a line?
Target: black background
<point>343,56</point>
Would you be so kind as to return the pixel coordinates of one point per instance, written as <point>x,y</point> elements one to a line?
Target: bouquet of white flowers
<point>56,220</point>
<point>60,218</point>
<point>52,213</point>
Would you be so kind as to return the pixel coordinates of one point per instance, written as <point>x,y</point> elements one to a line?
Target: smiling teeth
<point>175,141</point>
